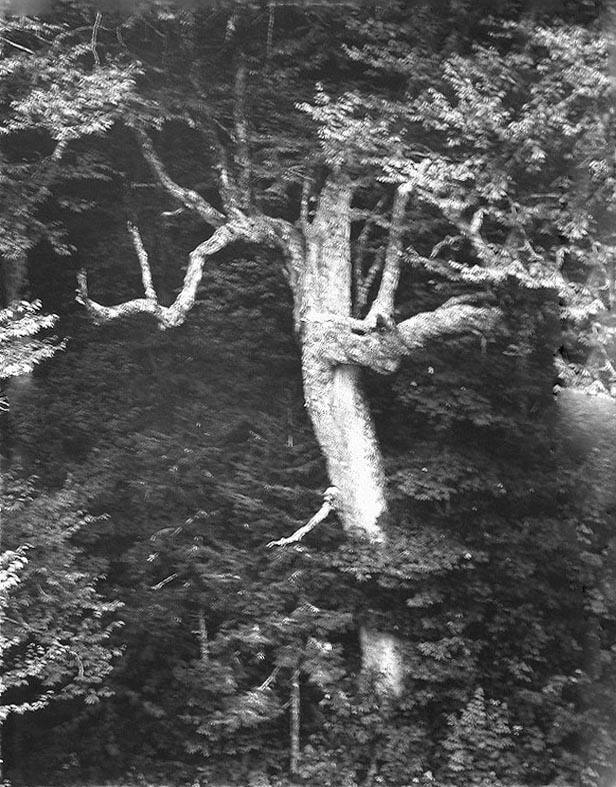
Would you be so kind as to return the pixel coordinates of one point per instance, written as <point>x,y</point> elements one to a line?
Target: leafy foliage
<point>55,626</point>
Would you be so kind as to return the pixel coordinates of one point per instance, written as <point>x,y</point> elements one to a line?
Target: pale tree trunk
<point>334,345</point>
<point>338,407</point>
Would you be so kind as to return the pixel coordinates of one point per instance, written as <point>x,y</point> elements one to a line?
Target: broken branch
<point>269,680</point>
<point>167,316</point>
<point>144,262</point>
<point>328,506</point>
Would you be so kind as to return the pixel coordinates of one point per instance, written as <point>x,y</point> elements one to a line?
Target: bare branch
<point>172,214</point>
<point>16,45</point>
<point>120,37</point>
<point>203,638</point>
<point>263,230</point>
<point>242,154</point>
<point>144,262</point>
<point>329,498</point>
<point>167,316</point>
<point>271,9</point>
<point>94,39</point>
<point>78,659</point>
<point>231,26</point>
<point>450,319</point>
<point>269,680</point>
<point>228,188</point>
<point>165,581</point>
<point>188,197</point>
<point>367,282</point>
<point>59,149</point>
<point>383,305</point>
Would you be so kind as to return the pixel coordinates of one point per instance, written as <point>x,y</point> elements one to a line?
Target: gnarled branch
<point>274,233</point>
<point>450,319</point>
<point>342,340</point>
<point>167,316</point>
<point>188,197</point>
<point>329,505</point>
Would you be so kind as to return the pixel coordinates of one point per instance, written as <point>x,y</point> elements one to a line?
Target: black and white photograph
<point>307,393</point>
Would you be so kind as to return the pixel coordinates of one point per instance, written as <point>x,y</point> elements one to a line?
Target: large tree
<point>340,140</point>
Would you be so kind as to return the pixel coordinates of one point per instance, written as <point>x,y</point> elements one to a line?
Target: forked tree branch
<point>471,230</point>
<point>260,230</point>
<point>383,304</point>
<point>167,316</point>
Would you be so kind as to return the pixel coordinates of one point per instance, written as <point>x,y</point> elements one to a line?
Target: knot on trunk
<point>331,496</point>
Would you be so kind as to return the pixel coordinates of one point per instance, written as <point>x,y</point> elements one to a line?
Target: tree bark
<point>337,403</point>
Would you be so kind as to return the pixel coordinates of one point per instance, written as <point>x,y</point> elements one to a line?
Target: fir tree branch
<point>269,680</point>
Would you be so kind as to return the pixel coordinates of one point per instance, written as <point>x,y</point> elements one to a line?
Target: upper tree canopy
<point>495,130</point>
